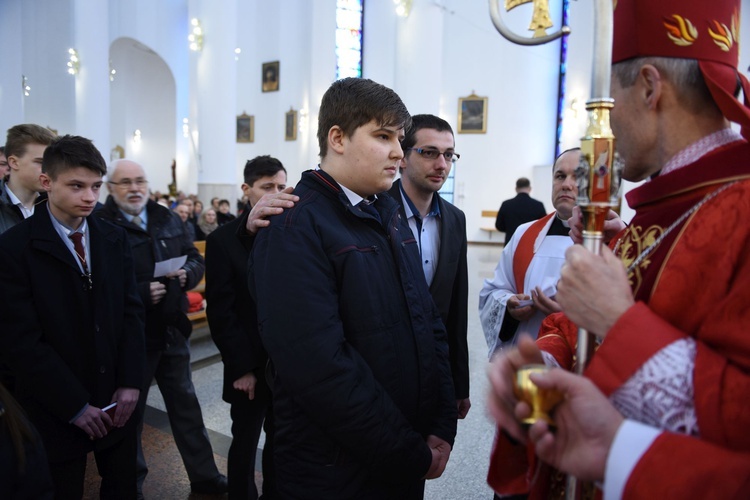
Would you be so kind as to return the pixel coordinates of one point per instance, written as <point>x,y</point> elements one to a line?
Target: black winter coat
<point>360,352</point>
<point>10,215</point>
<point>68,344</point>
<point>165,238</point>
<point>231,315</point>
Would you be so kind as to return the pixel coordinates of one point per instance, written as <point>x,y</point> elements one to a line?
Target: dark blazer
<point>166,237</point>
<point>450,287</point>
<point>516,211</point>
<point>65,344</point>
<point>231,312</point>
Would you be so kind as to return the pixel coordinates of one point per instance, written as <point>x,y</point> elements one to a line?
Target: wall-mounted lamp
<point>74,64</point>
<point>196,35</point>
<point>137,136</point>
<point>237,53</point>
<point>403,7</point>
<point>25,86</point>
<point>185,128</point>
<point>303,117</point>
<point>112,72</point>
<point>577,106</point>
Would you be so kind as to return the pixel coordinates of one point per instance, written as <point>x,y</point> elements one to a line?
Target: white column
<point>92,81</point>
<point>11,53</point>
<point>213,98</point>
<point>419,58</point>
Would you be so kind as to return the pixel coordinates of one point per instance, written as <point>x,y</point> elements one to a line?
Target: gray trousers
<point>171,369</point>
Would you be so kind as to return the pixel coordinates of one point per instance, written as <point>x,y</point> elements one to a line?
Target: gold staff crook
<point>599,171</point>
<point>540,21</point>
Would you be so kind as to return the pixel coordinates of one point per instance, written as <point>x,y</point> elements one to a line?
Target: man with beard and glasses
<point>440,230</point>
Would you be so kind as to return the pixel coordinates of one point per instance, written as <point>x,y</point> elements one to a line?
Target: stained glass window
<point>563,74</point>
<point>349,38</point>
<point>448,189</point>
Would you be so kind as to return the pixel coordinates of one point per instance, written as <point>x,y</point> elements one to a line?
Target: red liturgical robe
<point>694,283</point>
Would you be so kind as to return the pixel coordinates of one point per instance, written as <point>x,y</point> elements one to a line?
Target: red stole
<point>525,250</point>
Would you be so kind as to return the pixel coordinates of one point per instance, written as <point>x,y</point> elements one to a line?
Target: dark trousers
<point>171,369</point>
<point>116,466</point>
<point>248,416</point>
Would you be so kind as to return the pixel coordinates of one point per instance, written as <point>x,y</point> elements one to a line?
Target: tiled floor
<point>464,477</point>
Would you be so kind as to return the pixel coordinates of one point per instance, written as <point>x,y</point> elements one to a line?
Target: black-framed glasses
<point>432,154</point>
<point>127,183</point>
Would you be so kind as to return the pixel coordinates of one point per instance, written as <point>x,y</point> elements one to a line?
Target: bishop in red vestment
<point>674,350</point>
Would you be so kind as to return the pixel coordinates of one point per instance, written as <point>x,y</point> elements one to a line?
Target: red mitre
<point>688,29</point>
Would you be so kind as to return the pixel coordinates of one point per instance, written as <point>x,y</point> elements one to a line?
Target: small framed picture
<point>290,133</point>
<point>245,128</point>
<point>472,115</point>
<point>270,81</point>
<point>117,153</point>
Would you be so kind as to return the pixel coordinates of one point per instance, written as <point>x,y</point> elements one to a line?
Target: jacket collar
<point>156,213</point>
<point>328,186</point>
<point>718,167</point>
<point>44,237</point>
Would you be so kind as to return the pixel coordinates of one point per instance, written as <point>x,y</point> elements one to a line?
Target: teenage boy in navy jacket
<point>362,391</point>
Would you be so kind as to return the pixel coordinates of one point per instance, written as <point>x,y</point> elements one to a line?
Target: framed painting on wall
<point>472,115</point>
<point>117,153</point>
<point>270,78</point>
<point>290,131</point>
<point>245,128</point>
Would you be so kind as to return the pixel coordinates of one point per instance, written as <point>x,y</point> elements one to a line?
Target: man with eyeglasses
<point>156,234</point>
<point>440,231</point>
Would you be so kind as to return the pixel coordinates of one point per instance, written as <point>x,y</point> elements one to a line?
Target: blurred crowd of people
<point>200,221</point>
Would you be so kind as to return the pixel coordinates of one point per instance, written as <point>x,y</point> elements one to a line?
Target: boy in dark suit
<point>73,325</point>
<point>234,328</point>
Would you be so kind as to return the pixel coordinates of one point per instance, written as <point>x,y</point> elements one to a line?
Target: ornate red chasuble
<point>694,283</point>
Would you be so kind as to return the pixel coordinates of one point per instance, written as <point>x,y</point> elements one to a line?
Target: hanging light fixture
<point>74,64</point>
<point>196,35</point>
<point>403,7</point>
<point>25,86</point>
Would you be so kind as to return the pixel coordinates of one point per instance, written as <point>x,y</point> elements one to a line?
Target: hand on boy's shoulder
<point>268,205</point>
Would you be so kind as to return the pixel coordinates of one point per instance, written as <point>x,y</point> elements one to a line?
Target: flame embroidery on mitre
<point>681,31</point>
<point>722,36</point>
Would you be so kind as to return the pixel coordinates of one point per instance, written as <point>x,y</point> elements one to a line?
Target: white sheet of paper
<point>549,288</point>
<point>167,266</point>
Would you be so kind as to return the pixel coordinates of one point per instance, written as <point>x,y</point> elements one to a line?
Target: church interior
<point>192,89</point>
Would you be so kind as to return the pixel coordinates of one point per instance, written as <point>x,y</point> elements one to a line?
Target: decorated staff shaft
<point>598,173</point>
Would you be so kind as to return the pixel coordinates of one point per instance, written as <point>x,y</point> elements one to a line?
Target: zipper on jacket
<point>373,248</point>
